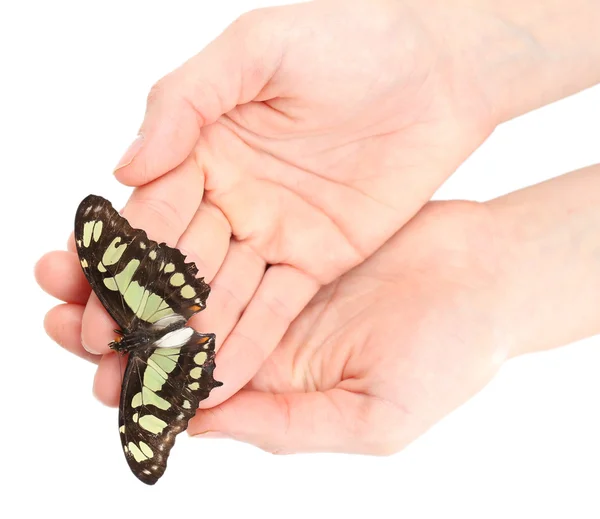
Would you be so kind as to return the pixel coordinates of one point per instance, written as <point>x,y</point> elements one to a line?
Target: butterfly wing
<point>161,391</point>
<point>142,284</point>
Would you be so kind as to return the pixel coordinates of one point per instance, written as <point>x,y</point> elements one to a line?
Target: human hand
<point>315,164</point>
<point>400,341</point>
<point>385,351</point>
<point>392,346</point>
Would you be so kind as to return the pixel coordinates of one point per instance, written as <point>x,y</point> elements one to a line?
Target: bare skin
<point>277,150</point>
<point>387,350</point>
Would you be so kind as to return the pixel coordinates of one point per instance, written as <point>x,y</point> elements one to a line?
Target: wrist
<point>518,55</point>
<point>549,291</point>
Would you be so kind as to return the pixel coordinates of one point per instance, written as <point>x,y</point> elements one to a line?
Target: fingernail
<point>88,349</point>
<point>211,434</point>
<point>131,152</point>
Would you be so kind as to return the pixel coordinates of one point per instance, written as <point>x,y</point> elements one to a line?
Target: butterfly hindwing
<point>139,282</point>
<point>161,391</point>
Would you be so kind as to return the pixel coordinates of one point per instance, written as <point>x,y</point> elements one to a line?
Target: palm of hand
<point>328,160</point>
<point>384,352</point>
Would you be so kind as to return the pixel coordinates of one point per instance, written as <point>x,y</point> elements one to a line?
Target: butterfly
<point>151,292</point>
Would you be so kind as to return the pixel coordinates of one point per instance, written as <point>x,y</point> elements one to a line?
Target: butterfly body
<point>151,292</point>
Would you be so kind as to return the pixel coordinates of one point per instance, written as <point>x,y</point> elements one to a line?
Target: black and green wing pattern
<point>142,284</point>
<point>151,292</point>
<point>161,391</point>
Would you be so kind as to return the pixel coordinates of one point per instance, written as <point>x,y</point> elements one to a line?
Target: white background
<point>75,78</point>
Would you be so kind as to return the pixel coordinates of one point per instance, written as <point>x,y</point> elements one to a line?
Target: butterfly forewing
<point>140,282</point>
<point>161,391</point>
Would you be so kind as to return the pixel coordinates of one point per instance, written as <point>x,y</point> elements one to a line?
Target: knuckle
<point>158,91</point>
<point>256,27</point>
<point>248,20</point>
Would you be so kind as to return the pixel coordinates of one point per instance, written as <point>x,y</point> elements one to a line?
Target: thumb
<point>231,70</point>
<point>332,421</point>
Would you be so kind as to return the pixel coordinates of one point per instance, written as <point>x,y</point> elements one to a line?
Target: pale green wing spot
<point>187,292</point>
<point>160,314</point>
<point>153,379</point>
<point>168,351</point>
<point>149,397</point>
<point>101,267</point>
<point>177,279</point>
<point>111,284</point>
<point>135,296</point>
<point>146,449</point>
<point>113,253</point>
<point>165,361</point>
<point>122,429</point>
<point>84,263</point>
<point>98,230</point>
<point>200,358</point>
<point>152,254</point>
<point>136,401</point>
<point>156,308</point>
<point>87,233</point>
<point>186,404</point>
<point>158,369</point>
<point>151,307</point>
<point>196,373</point>
<point>135,417</point>
<point>137,453</point>
<point>169,267</point>
<point>194,386</point>
<point>152,424</point>
<point>124,277</point>
<point>142,306</point>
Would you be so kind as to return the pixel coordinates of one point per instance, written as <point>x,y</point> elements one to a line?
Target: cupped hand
<point>278,158</point>
<point>380,354</point>
<point>384,352</point>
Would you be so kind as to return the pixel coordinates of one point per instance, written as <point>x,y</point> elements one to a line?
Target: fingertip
<point>59,274</point>
<point>38,269</point>
<point>169,133</point>
<point>131,152</point>
<point>107,381</point>
<point>135,173</point>
<point>63,325</point>
<point>97,328</point>
<point>71,247</point>
<point>49,321</point>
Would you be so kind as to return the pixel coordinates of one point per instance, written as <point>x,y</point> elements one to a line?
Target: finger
<point>63,324</point>
<point>59,273</point>
<point>231,291</point>
<point>163,208</point>
<point>109,375</point>
<point>333,421</point>
<point>97,327</point>
<point>282,294</point>
<point>232,70</point>
<point>206,240</point>
<point>71,243</point>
